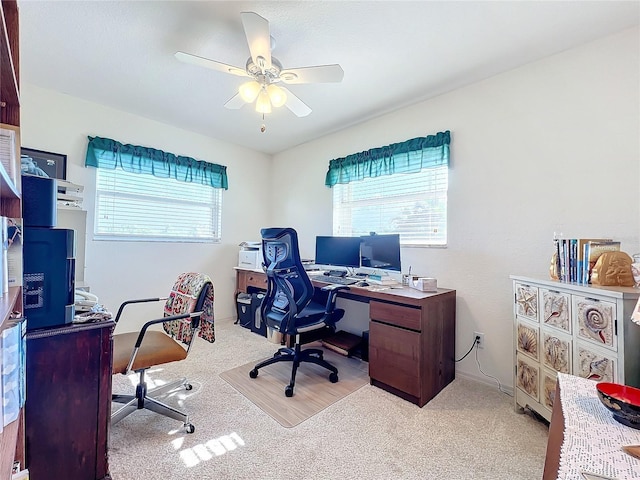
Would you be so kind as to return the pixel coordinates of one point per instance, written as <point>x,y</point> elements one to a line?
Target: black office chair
<point>289,306</point>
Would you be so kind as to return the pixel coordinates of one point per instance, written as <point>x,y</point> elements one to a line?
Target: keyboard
<point>338,280</point>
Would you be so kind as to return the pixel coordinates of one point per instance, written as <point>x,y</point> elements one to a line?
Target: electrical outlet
<point>480,337</point>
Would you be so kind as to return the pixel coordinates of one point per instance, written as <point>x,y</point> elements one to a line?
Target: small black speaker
<point>39,195</point>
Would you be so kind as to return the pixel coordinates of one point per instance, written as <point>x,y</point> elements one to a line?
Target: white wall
<point>549,147</point>
<point>117,271</point>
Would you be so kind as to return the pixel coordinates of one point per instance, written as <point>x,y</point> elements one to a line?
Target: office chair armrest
<point>141,300</point>
<point>193,315</point>
<point>333,290</point>
<point>334,286</point>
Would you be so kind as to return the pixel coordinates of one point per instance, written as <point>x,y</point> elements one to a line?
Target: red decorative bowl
<point>623,401</point>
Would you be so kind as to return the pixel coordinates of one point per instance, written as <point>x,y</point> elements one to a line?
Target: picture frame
<point>53,164</point>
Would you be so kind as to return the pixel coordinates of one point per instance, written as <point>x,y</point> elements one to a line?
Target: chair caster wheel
<point>288,391</point>
<point>189,428</point>
<point>188,386</point>
<point>333,377</point>
<point>253,373</point>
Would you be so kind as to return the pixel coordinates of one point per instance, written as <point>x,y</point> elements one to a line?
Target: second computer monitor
<point>381,251</point>
<point>338,251</point>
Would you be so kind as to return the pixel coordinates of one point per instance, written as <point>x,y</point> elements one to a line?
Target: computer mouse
<point>362,284</point>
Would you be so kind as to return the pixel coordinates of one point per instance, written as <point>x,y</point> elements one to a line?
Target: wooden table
<point>411,335</point>
<point>554,442</point>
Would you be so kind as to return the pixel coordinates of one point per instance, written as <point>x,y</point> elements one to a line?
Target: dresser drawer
<point>401,316</point>
<point>394,357</point>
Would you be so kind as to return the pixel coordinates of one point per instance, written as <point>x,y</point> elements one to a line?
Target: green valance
<point>410,156</point>
<point>107,153</point>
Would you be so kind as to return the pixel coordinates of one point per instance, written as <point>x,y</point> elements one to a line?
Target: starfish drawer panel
<point>526,298</point>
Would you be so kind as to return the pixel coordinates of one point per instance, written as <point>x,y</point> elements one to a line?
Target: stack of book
<point>576,257</point>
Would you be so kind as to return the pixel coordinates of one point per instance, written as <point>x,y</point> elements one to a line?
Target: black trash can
<point>257,325</point>
<point>245,312</point>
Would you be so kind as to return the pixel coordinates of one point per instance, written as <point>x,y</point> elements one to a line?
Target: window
<point>399,188</point>
<point>411,204</point>
<point>134,206</point>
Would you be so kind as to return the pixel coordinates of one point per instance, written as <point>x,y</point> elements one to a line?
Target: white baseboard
<point>485,380</point>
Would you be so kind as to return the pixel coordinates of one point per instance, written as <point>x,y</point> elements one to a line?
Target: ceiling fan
<point>266,72</point>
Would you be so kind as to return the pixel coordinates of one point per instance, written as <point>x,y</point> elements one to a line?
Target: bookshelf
<point>12,435</point>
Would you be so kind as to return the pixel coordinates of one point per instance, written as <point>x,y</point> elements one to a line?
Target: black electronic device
<point>338,251</point>
<point>48,277</point>
<point>381,252</point>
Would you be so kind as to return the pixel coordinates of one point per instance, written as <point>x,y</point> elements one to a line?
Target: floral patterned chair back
<point>192,292</point>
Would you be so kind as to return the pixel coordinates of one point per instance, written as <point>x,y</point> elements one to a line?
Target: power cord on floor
<point>491,376</point>
<point>475,344</point>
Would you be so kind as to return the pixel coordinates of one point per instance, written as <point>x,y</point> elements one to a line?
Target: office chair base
<point>144,399</point>
<point>297,356</point>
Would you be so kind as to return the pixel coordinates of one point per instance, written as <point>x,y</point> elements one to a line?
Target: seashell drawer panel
<point>570,328</point>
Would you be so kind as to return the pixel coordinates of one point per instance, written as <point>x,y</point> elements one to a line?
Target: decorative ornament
<point>613,268</point>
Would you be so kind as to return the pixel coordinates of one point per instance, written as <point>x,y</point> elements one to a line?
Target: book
<point>594,250</point>
<point>581,271</point>
<point>342,342</point>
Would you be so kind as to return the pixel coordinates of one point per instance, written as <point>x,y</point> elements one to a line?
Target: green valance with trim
<point>410,156</point>
<point>107,153</point>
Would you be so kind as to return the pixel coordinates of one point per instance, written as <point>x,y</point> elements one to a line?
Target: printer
<point>250,256</point>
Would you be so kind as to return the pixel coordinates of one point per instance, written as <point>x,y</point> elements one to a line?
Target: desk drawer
<point>405,317</point>
<point>247,278</point>
<point>255,279</point>
<point>394,357</point>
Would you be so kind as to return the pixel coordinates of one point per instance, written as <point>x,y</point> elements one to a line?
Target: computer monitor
<point>381,251</point>
<point>338,251</point>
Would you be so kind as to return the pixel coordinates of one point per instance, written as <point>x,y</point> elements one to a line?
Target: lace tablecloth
<point>592,438</point>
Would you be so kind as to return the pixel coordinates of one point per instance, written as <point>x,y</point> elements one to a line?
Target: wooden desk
<point>411,335</point>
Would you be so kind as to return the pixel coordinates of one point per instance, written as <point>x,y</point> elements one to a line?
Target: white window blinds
<point>413,205</point>
<point>131,206</point>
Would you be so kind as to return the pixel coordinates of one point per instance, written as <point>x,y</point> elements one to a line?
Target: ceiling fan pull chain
<point>263,128</point>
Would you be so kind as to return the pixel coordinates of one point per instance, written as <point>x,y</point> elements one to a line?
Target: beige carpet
<point>470,431</point>
<point>313,391</point>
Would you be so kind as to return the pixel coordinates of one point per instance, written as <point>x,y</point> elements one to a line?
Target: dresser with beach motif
<point>570,328</point>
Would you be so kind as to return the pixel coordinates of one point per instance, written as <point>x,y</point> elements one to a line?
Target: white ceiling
<point>121,54</point>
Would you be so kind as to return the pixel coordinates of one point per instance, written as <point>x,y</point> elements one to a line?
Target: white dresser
<point>564,327</point>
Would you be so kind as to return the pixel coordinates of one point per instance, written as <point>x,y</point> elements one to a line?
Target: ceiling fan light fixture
<point>277,95</point>
<point>249,91</point>
<point>263,104</point>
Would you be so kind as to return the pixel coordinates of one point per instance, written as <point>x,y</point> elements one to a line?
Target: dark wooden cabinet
<point>68,408</point>
<point>412,344</point>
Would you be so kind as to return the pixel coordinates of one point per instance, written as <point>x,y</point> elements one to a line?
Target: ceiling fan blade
<point>256,29</point>
<point>235,102</point>
<point>317,74</point>
<point>205,62</point>
<point>296,105</point>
